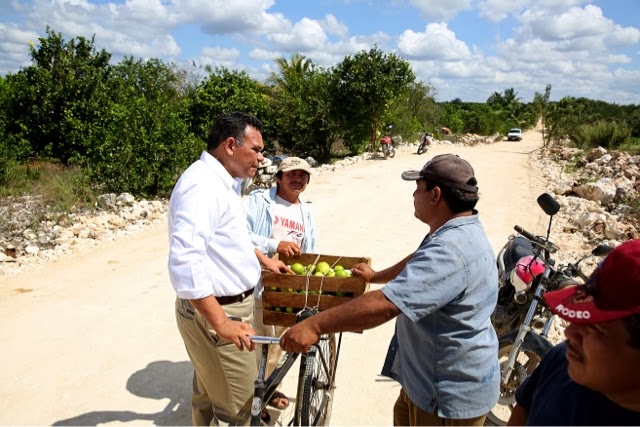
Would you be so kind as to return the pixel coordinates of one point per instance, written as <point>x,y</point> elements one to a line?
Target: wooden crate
<point>335,290</point>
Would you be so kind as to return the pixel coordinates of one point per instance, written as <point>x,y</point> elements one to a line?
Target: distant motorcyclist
<point>425,142</point>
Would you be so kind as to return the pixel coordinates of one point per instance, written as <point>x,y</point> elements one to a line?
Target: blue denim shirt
<point>444,351</point>
<point>259,206</point>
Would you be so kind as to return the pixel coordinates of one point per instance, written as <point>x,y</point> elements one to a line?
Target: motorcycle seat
<point>518,247</point>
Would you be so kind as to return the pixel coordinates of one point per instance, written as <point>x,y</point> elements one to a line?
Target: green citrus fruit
<point>342,273</point>
<point>318,273</point>
<point>289,309</point>
<point>338,268</point>
<point>331,273</point>
<point>297,268</point>
<point>323,267</point>
<point>311,268</point>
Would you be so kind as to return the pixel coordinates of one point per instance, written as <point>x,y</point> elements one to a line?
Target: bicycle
<point>316,379</point>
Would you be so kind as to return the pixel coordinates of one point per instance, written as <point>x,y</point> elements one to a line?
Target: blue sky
<point>465,49</point>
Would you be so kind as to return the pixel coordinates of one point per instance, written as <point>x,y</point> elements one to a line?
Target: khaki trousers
<point>405,413</point>
<point>275,352</point>
<point>223,376</point>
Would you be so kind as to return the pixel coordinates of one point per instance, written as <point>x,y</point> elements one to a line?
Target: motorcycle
<point>425,143</point>
<point>386,142</point>
<point>521,319</point>
<point>265,176</point>
<point>388,145</point>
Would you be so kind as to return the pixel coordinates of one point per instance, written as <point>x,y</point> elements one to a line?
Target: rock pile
<point>598,197</point>
<point>30,235</point>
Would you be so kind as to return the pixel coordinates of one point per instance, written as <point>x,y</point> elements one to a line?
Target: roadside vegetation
<point>74,125</point>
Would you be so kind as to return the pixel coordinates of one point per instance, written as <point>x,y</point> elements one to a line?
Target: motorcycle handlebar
<point>536,240</point>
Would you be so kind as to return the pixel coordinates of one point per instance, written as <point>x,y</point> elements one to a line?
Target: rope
<point>306,291</point>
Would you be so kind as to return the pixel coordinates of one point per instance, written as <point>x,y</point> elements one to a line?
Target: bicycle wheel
<point>318,383</point>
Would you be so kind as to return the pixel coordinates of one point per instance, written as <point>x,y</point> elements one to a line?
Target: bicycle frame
<point>264,389</point>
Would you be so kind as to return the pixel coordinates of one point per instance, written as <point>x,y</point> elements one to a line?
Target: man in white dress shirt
<point>214,267</point>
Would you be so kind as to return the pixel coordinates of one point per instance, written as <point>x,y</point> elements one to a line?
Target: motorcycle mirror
<point>601,250</point>
<point>548,204</point>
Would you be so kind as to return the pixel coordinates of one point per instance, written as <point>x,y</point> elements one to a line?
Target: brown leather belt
<point>235,298</point>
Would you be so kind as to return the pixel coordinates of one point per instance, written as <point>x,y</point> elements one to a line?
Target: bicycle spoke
<point>317,389</point>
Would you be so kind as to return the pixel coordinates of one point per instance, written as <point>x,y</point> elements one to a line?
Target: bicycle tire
<point>318,383</point>
<point>422,149</point>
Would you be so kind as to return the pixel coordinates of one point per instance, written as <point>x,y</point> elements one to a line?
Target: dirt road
<point>91,339</point>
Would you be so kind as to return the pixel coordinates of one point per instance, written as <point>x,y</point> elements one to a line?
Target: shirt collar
<point>230,182</point>
<point>456,222</point>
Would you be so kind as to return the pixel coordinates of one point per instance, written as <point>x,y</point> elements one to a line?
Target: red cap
<point>612,291</point>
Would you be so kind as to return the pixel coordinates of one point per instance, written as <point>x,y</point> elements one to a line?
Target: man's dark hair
<point>457,200</point>
<point>632,323</point>
<point>231,125</point>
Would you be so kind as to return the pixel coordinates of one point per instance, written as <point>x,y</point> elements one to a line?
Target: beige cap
<point>294,163</point>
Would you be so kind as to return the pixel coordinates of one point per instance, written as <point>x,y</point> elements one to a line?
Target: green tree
<point>227,90</point>
<point>61,97</point>
<point>415,112</point>
<point>604,133</point>
<point>512,112</point>
<point>302,105</point>
<point>563,119</point>
<point>364,86</point>
<point>292,70</point>
<point>451,116</point>
<point>144,141</point>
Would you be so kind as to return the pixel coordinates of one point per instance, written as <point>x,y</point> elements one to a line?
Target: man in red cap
<point>593,378</point>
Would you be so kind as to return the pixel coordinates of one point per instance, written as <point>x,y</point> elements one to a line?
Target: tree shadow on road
<point>159,380</point>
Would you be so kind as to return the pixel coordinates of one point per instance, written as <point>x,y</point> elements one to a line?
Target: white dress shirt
<point>210,251</point>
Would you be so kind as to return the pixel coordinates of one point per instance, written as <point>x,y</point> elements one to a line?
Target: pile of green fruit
<point>320,269</point>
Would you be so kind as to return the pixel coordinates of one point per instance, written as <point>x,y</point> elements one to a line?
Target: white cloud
<point>438,10</point>
<point>331,25</point>
<point>618,59</point>
<point>264,55</point>
<point>497,10</point>
<point>626,81</point>
<point>305,35</point>
<point>14,47</point>
<point>219,57</point>
<point>436,42</point>
<point>227,16</point>
<point>573,24</point>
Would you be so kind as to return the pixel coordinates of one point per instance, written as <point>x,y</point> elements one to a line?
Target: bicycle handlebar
<point>260,339</point>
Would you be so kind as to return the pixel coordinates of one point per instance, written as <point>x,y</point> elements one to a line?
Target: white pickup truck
<point>514,134</point>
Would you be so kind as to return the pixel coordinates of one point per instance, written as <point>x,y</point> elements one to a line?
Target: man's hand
<point>299,338</point>
<point>364,271</point>
<point>271,264</point>
<point>238,332</point>
<point>288,248</point>
<point>276,266</point>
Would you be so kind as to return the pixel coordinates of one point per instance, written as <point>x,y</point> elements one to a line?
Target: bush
<point>606,134</point>
<point>58,187</point>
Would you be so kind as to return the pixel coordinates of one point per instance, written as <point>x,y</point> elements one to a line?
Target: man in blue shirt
<point>593,378</point>
<point>444,351</point>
